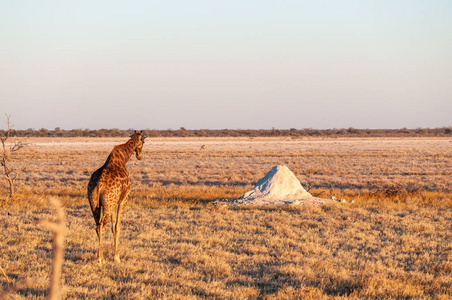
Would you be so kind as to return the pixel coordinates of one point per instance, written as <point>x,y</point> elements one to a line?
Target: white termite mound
<point>280,186</point>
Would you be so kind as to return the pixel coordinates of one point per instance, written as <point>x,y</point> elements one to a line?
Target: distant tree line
<point>182,132</point>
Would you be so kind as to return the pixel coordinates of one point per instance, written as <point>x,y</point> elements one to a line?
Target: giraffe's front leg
<point>114,229</point>
<point>118,229</point>
<point>100,254</point>
<point>116,233</point>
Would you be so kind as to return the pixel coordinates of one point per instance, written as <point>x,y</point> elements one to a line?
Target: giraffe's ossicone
<point>109,187</point>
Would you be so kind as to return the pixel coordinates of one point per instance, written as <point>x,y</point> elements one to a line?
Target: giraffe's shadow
<point>79,253</point>
<point>33,293</point>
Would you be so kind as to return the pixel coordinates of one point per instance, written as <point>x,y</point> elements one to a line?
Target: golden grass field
<point>393,242</point>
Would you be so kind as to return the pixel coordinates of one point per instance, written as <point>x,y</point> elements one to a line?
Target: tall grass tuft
<point>58,229</point>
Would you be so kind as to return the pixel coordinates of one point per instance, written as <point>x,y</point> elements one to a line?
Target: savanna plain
<point>391,239</point>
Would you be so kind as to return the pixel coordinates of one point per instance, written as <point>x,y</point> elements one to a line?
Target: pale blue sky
<point>226,64</point>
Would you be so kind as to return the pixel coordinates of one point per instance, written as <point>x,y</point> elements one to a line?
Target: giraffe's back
<point>107,186</point>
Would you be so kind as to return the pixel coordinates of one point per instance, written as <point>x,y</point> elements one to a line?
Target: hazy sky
<point>226,64</point>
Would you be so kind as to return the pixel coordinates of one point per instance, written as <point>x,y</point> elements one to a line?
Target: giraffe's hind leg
<point>100,233</point>
<point>97,209</point>
<point>117,225</point>
<point>97,214</point>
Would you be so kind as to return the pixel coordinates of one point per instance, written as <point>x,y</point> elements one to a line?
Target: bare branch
<point>17,174</point>
<point>9,127</point>
<point>17,146</point>
<point>4,158</point>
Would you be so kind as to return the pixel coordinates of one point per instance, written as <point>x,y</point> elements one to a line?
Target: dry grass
<point>54,290</point>
<point>394,242</point>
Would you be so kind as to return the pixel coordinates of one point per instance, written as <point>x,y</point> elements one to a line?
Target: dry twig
<point>58,229</point>
<point>4,274</point>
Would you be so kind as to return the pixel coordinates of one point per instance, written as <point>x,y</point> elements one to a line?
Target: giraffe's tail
<point>93,197</point>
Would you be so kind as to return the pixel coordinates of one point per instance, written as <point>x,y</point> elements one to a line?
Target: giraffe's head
<point>139,145</point>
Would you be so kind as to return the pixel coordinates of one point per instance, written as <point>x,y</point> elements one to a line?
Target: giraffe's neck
<point>122,153</point>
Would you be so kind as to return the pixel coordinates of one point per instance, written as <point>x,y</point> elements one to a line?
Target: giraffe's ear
<point>142,135</point>
<point>135,132</point>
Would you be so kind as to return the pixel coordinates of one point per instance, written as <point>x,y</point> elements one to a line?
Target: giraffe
<point>109,187</point>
